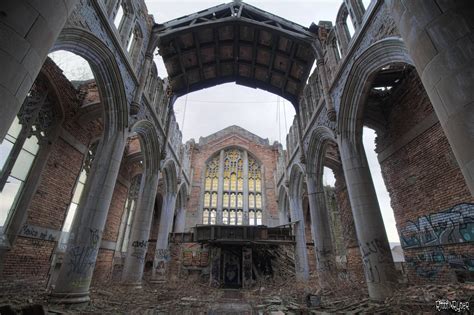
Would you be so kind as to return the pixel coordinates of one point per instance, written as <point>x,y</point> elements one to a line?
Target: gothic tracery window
<point>237,188</point>
<point>255,193</point>
<point>18,151</point>
<point>211,184</point>
<point>232,195</point>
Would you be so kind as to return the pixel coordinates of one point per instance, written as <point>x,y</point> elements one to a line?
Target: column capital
<point>332,114</point>
<point>134,108</point>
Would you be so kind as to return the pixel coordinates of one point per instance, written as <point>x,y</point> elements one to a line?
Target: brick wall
<point>309,237</point>
<point>26,266</point>
<point>103,266</point>
<point>432,205</point>
<point>114,217</point>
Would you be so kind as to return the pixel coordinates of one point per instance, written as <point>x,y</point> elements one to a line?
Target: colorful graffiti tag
<point>430,261</point>
<point>452,226</point>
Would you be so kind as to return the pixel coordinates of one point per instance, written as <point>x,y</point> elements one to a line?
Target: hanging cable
<point>284,113</point>
<point>279,119</point>
<point>184,113</point>
<point>231,102</point>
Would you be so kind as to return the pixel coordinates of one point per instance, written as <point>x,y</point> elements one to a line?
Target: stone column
<point>356,11</point>
<point>320,228</point>
<point>140,233</point>
<point>373,243</point>
<point>438,36</point>
<point>28,30</point>
<point>331,112</point>
<point>126,29</point>
<point>180,220</point>
<point>301,253</point>
<point>283,211</point>
<point>299,124</point>
<point>111,6</point>
<point>162,252</point>
<point>354,259</point>
<point>75,275</point>
<point>344,37</point>
<point>135,107</point>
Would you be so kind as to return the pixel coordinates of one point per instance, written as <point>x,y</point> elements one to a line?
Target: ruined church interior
<point>114,200</point>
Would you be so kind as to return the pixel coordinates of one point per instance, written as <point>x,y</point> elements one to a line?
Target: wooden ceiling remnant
<point>236,42</point>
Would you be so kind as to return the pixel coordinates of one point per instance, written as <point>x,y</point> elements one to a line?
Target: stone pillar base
<point>133,285</point>
<point>69,298</point>
<point>158,280</point>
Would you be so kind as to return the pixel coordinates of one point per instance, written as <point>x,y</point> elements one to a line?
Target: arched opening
<point>364,203</point>
<point>283,206</point>
<point>406,130</point>
<point>309,234</point>
<point>208,111</point>
<point>179,220</point>
<point>369,140</point>
<point>296,190</point>
<point>366,3</point>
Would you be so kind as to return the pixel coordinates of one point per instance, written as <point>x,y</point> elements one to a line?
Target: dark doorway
<point>232,266</point>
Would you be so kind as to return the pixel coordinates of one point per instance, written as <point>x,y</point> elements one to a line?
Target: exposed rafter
<point>237,42</point>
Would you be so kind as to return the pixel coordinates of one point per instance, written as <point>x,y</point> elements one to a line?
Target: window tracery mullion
<point>27,117</point>
<point>220,187</point>
<point>246,189</point>
<point>239,175</point>
<point>261,190</point>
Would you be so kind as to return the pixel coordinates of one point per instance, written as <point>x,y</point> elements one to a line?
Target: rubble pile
<point>407,300</point>
<point>277,297</point>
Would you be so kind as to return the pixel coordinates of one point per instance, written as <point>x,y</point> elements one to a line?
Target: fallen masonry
<point>185,298</point>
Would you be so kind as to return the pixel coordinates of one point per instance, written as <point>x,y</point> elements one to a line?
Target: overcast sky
<point>207,111</point>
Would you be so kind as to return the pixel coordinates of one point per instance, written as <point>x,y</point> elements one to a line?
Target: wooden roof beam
<point>180,56</point>
<point>272,57</point>
<point>198,54</point>
<point>290,64</point>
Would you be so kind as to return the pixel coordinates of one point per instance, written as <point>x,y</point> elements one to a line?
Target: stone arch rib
<point>359,79</point>
<point>106,72</point>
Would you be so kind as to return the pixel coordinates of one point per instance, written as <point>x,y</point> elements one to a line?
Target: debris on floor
<point>190,298</point>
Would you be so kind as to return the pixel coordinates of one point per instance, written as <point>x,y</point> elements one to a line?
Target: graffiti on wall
<point>35,232</point>
<point>82,257</point>
<point>455,225</point>
<point>374,253</point>
<point>162,256</point>
<point>430,261</point>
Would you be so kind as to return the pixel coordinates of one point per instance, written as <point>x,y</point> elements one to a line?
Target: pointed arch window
<point>240,194</point>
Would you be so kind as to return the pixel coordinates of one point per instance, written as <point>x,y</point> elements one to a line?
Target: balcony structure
<point>244,234</point>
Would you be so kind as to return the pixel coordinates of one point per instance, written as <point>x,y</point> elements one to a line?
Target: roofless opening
<point>202,113</point>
